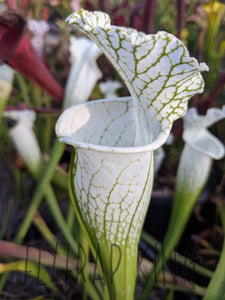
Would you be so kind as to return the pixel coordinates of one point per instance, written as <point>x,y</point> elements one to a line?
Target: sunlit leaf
<point>30,268</point>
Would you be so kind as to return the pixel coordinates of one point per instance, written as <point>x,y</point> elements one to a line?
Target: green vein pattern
<point>157,69</point>
<point>112,169</point>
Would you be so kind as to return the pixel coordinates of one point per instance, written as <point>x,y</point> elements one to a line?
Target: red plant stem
<point>12,4</point>
<point>150,10</point>
<point>104,5</point>
<point>125,4</point>
<point>219,86</point>
<point>25,4</point>
<point>136,19</point>
<point>211,99</point>
<point>180,17</point>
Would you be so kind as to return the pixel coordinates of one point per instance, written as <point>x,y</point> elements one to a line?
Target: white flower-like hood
<point>84,72</point>
<point>157,69</point>
<point>112,168</point>
<point>25,116</point>
<point>196,133</point>
<point>24,138</point>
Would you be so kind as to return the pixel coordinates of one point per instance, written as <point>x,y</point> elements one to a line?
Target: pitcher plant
<point>112,167</point>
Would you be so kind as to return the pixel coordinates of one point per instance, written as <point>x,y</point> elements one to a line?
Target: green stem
<point>40,191</point>
<point>38,7</point>
<point>179,258</point>
<point>37,94</point>
<point>24,87</point>
<point>17,178</point>
<point>216,287</point>
<point>88,287</point>
<point>188,188</point>
<point>171,239</point>
<point>56,213</point>
<point>47,133</point>
<point>117,263</point>
<point>70,216</point>
<point>44,188</point>
<point>84,277</point>
<point>214,20</point>
<point>197,290</point>
<point>60,177</point>
<point>119,266</point>
<point>60,221</point>
<point>57,152</point>
<point>47,234</point>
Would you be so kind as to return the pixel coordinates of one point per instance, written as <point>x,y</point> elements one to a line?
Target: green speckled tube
<point>110,184</point>
<point>112,170</point>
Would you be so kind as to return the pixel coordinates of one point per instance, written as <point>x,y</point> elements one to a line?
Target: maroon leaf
<point>12,28</point>
<point>150,11</point>
<point>27,62</point>
<point>137,16</point>
<point>17,51</point>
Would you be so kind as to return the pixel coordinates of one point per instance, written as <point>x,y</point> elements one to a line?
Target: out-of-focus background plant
<point>43,252</point>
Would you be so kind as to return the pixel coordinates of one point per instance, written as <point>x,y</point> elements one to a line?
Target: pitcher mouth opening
<point>108,125</point>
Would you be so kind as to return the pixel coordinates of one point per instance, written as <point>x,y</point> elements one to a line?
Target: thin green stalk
<point>37,94</point>
<point>97,283</point>
<point>197,290</point>
<point>189,185</point>
<point>33,268</point>
<point>46,137</point>
<point>216,287</point>
<point>47,99</point>
<point>211,252</point>
<point>88,287</point>
<point>178,258</point>
<point>84,278</point>
<point>57,214</point>
<point>92,292</point>
<point>57,152</point>
<point>17,178</point>
<point>3,281</point>
<point>24,87</point>
<point>60,177</point>
<point>215,14</point>
<point>60,221</point>
<point>40,190</point>
<point>47,234</point>
<point>70,216</point>
<point>170,294</point>
<point>44,188</point>
<point>171,239</point>
<point>46,125</point>
<point>38,7</point>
